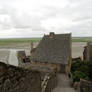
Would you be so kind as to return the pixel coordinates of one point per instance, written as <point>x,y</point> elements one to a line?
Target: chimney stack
<point>88,43</point>
<point>51,34</point>
<point>32,46</point>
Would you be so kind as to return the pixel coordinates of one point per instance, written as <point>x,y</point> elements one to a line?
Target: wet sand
<point>77,49</point>
<point>8,53</point>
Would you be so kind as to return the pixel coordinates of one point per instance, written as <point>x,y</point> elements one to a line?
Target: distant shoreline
<point>27,40</point>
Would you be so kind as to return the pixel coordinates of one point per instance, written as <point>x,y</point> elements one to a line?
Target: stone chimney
<point>32,46</point>
<point>51,34</point>
<point>88,43</point>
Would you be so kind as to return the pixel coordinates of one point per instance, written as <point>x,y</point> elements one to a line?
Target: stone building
<point>55,50</point>
<point>14,79</point>
<point>23,60</point>
<point>21,56</point>
<point>87,54</point>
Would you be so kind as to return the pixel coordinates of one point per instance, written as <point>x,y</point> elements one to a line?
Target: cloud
<point>36,17</point>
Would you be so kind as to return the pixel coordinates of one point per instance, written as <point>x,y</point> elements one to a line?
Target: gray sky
<point>33,18</point>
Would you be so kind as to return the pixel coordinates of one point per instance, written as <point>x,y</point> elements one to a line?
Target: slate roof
<point>53,50</point>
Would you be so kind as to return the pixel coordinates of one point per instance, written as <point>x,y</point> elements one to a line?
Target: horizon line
<point>41,37</point>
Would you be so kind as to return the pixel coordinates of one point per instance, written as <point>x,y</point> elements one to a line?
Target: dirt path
<point>63,84</point>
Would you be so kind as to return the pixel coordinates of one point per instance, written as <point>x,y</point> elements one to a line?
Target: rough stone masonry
<point>14,79</point>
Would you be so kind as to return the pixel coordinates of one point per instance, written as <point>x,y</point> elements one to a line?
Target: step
<point>64,90</point>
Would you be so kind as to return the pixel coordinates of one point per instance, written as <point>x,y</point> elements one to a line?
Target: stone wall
<point>14,79</point>
<point>50,83</point>
<point>85,86</point>
<point>47,73</point>
<point>22,58</point>
<point>87,54</point>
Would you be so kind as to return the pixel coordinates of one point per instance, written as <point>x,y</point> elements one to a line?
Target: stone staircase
<point>63,84</point>
<point>64,90</point>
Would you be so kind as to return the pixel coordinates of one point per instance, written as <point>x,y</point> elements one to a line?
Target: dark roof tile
<point>54,49</point>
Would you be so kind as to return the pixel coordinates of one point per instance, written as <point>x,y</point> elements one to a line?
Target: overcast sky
<point>33,18</point>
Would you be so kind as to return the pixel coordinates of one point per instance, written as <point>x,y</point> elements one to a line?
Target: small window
<point>23,60</point>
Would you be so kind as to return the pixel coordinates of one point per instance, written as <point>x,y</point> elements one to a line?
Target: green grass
<point>21,40</point>
<point>82,39</point>
<point>18,40</point>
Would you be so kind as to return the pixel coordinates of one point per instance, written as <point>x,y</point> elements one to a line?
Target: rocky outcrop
<point>14,79</point>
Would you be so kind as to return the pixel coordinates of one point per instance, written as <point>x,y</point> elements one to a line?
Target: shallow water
<point>9,56</point>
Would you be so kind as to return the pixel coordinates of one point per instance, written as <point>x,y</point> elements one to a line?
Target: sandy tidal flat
<point>8,53</point>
